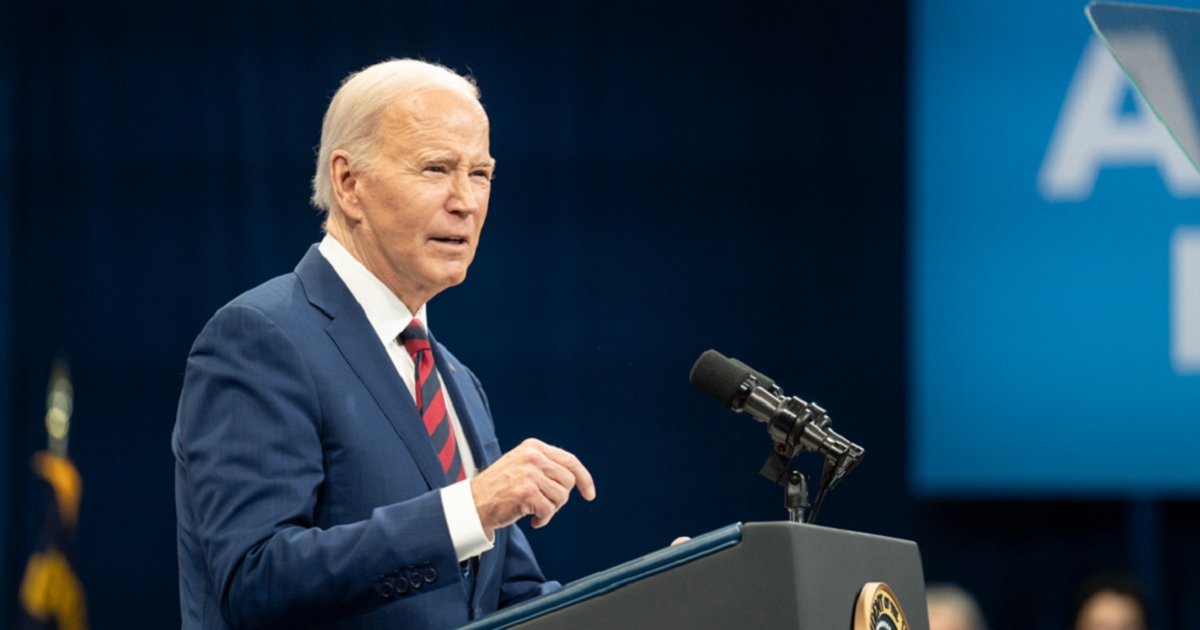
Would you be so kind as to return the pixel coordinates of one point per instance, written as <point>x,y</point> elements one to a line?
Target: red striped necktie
<point>431,402</point>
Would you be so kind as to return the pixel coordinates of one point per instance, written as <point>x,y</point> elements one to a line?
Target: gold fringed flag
<point>51,596</point>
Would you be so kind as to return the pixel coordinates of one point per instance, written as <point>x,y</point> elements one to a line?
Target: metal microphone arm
<point>801,426</point>
<point>796,425</point>
<point>793,424</point>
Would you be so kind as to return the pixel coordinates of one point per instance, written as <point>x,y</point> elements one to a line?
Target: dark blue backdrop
<point>673,176</point>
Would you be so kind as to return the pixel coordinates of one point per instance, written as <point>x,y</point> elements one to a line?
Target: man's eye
<point>435,169</point>
<point>482,173</point>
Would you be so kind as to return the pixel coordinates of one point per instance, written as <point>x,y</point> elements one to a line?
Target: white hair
<point>357,107</point>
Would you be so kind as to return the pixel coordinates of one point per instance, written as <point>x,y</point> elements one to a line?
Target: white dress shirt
<point>389,317</point>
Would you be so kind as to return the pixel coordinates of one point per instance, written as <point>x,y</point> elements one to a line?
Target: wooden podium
<point>757,575</point>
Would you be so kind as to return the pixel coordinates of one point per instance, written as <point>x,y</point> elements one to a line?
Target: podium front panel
<point>781,575</point>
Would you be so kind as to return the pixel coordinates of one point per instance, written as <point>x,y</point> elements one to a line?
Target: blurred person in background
<point>952,608</point>
<point>1111,602</point>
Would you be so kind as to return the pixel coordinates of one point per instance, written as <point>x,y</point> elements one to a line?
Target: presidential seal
<point>878,609</point>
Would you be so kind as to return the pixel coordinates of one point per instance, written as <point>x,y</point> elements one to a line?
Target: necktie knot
<point>415,338</point>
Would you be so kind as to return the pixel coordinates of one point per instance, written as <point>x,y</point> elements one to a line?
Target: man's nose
<point>464,193</point>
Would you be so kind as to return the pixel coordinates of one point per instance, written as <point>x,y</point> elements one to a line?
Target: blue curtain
<point>7,297</point>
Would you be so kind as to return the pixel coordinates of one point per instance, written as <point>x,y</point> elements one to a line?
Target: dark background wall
<point>673,176</point>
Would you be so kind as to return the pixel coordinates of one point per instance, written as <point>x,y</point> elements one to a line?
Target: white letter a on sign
<point>1092,132</point>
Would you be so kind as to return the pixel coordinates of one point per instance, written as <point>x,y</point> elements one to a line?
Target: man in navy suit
<point>308,489</point>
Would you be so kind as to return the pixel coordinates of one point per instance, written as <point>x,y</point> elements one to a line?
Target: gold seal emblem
<point>878,609</point>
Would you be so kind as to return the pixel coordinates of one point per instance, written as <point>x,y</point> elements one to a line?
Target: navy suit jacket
<point>306,486</point>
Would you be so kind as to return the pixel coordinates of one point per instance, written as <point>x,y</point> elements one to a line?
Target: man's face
<point>421,203</point>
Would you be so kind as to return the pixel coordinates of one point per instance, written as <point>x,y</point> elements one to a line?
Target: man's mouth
<point>453,240</point>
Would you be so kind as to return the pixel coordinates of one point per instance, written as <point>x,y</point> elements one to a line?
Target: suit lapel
<point>356,340</point>
<point>477,425</point>
<point>467,403</point>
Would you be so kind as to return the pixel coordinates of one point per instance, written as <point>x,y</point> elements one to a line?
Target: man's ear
<point>345,185</point>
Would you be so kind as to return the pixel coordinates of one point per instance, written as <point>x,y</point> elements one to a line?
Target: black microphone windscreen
<point>764,381</point>
<point>719,377</point>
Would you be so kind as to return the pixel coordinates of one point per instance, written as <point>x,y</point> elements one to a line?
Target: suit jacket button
<point>387,589</point>
<point>430,574</point>
<point>401,586</point>
<point>415,580</point>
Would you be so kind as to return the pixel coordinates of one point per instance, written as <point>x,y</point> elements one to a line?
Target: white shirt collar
<point>387,314</point>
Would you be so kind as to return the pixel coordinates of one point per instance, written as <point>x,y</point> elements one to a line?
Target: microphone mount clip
<point>796,426</point>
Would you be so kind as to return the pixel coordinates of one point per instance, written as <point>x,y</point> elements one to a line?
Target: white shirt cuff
<point>466,531</point>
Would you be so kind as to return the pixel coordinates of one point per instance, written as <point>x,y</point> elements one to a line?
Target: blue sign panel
<point>1055,266</point>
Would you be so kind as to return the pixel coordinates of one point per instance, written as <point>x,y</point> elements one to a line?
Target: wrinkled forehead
<point>436,108</point>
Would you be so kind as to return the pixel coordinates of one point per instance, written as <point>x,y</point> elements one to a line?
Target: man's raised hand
<point>533,479</point>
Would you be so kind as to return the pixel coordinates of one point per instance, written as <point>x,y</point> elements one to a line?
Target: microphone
<point>764,381</point>
<point>795,425</point>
